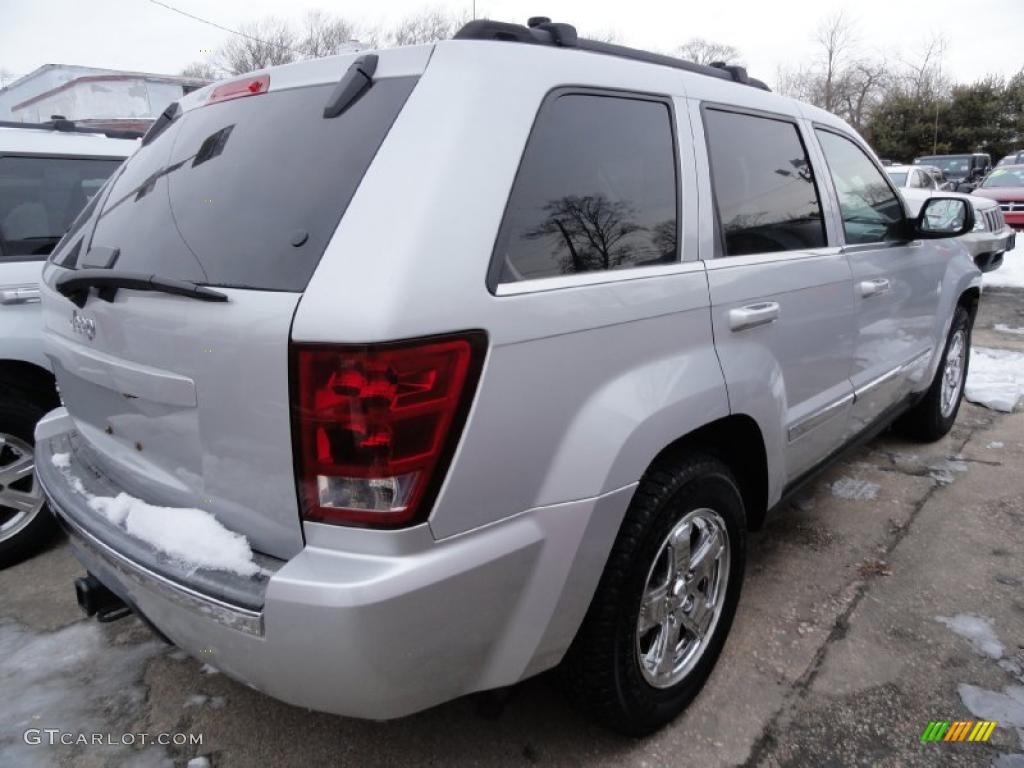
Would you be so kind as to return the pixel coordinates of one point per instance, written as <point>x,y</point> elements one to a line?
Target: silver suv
<point>396,376</point>
<point>48,172</point>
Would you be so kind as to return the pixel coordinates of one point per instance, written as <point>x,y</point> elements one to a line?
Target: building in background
<point>88,95</point>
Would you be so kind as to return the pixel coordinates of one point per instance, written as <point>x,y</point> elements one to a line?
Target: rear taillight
<point>376,425</point>
<point>249,86</point>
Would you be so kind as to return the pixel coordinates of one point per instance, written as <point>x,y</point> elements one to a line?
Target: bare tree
<point>427,26</point>
<point>837,42</point>
<point>260,44</point>
<point>840,77</point>
<point>702,51</point>
<point>323,34</point>
<point>603,36</point>
<point>202,70</point>
<point>922,77</point>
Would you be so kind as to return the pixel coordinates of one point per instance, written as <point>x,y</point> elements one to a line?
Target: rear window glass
<point>256,187</point>
<point>40,198</point>
<point>899,179</point>
<point>596,190</point>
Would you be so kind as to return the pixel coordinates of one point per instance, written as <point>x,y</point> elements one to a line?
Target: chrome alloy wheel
<point>21,497</point>
<point>683,597</point>
<point>953,373</point>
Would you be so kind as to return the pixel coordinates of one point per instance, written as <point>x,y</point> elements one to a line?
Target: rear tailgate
<point>185,403</point>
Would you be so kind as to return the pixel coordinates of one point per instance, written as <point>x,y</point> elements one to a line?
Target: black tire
<point>18,416</point>
<point>925,421</point>
<point>601,672</point>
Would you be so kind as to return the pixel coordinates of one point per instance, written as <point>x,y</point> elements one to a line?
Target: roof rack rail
<point>540,30</point>
<point>64,125</point>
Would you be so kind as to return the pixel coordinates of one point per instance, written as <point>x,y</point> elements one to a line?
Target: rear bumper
<point>374,634</point>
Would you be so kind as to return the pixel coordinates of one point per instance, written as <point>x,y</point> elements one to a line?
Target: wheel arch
<point>30,380</point>
<point>737,441</point>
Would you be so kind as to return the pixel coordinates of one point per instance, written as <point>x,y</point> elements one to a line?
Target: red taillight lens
<point>249,86</point>
<point>375,425</point>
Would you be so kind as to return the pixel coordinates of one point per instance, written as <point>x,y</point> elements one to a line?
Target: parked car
<point>939,177</point>
<point>990,238</point>
<point>47,174</point>
<point>1005,185</point>
<point>963,170</point>
<point>484,394</point>
<point>1014,158</point>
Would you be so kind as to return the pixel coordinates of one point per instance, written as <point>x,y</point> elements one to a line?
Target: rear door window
<point>764,187</point>
<point>872,213</point>
<point>40,198</point>
<point>596,190</point>
<point>246,193</point>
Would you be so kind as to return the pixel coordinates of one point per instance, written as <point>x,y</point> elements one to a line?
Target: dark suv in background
<point>965,171</point>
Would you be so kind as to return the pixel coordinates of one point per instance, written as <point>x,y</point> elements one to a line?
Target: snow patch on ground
<point>61,460</point>
<point>190,536</point>
<point>853,489</point>
<point>995,444</point>
<point>75,680</point>
<point>1010,274</point>
<point>942,472</point>
<point>1006,708</point>
<point>209,669</point>
<point>978,631</point>
<point>1004,328</point>
<point>995,378</point>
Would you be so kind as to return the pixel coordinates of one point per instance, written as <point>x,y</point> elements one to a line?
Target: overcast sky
<point>983,36</point>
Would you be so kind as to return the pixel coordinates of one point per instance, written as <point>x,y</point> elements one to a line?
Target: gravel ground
<point>889,595</point>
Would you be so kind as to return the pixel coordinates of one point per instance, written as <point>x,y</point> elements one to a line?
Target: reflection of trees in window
<point>590,232</point>
<point>665,238</point>
<point>801,170</point>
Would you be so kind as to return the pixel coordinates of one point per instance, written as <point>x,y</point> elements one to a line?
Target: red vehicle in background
<point>1005,185</point>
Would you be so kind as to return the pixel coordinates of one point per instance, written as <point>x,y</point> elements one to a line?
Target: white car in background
<point>991,237</point>
<point>48,173</point>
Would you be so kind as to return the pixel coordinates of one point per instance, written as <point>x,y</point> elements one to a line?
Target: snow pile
<point>1004,328</point>
<point>978,631</point>
<point>854,489</point>
<point>192,537</point>
<point>1011,273</point>
<point>995,378</point>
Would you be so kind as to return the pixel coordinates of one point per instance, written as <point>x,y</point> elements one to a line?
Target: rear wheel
<point>666,600</point>
<point>25,522</point>
<point>933,417</point>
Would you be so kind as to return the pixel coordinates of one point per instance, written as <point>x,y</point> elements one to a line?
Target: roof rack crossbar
<point>542,31</point>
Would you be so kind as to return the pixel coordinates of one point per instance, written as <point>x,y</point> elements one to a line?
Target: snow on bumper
<point>372,634</point>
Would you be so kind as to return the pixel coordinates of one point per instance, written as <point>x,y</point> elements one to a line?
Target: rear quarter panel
<point>583,386</point>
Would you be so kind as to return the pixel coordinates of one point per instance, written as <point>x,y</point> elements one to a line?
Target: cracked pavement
<point>836,657</point>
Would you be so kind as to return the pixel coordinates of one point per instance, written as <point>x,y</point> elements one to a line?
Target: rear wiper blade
<point>75,285</point>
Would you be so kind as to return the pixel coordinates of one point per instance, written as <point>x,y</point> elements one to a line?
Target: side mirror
<point>944,217</point>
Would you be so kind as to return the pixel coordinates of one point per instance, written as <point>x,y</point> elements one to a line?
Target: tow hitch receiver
<point>96,600</point>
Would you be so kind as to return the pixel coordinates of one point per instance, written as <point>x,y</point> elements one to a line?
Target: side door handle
<point>753,315</point>
<point>873,287</point>
<point>19,294</point>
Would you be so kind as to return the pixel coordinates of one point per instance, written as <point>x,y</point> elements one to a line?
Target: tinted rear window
<point>256,186</point>
<point>40,198</point>
<point>596,190</point>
